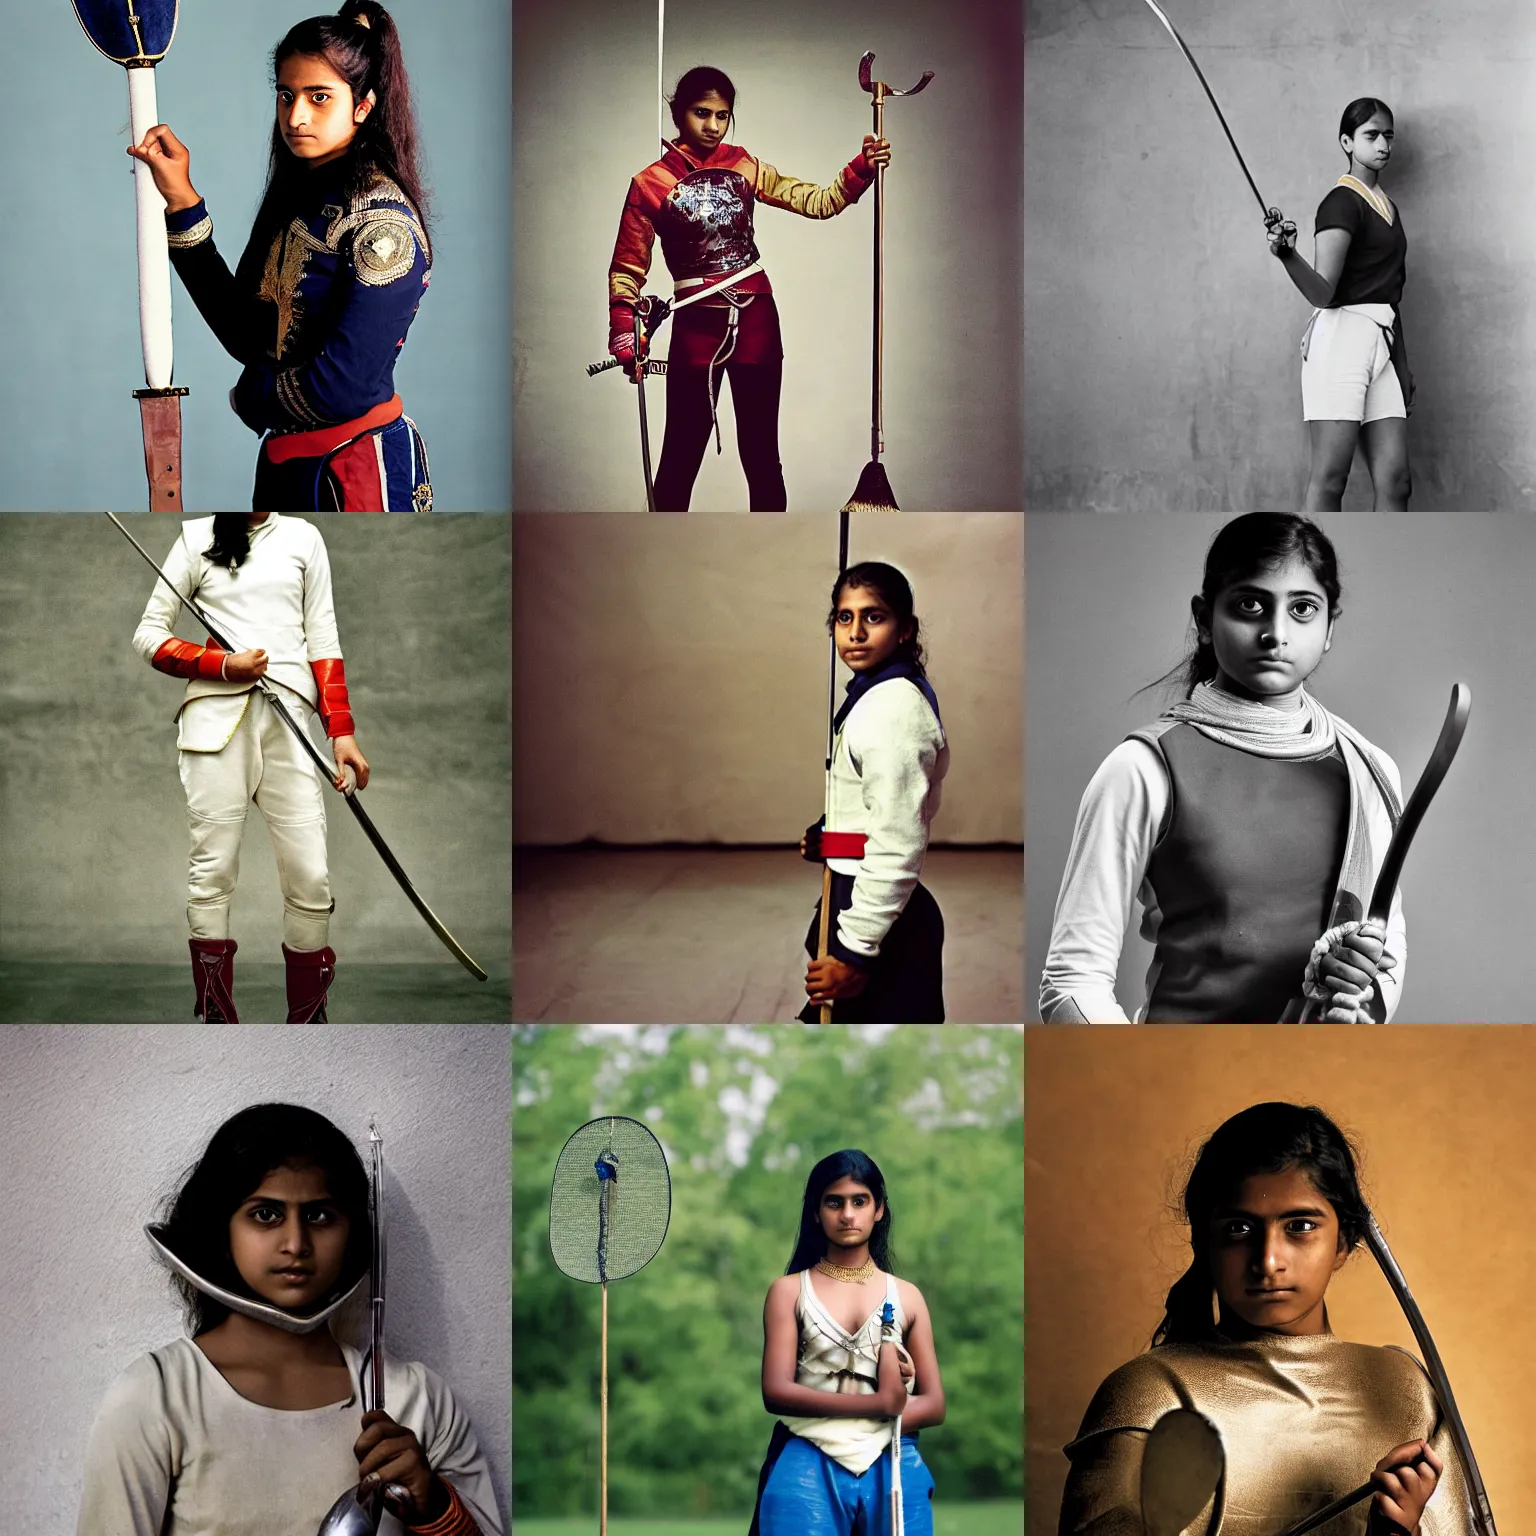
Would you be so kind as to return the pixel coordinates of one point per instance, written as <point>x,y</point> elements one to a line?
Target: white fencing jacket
<point>278,600</point>
<point>888,760</point>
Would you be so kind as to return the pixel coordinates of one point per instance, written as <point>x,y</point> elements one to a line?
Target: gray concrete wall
<point>92,813</point>
<point>585,122</point>
<point>1428,601</point>
<point>97,1124</point>
<point>72,341</point>
<point>671,673</point>
<point>1161,363</point>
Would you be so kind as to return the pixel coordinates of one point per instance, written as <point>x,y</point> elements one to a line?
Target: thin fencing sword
<point>327,770</point>
<point>1272,215</point>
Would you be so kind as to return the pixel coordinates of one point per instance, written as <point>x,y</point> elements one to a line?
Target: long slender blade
<point>1173,32</point>
<point>372,833</point>
<point>1482,1511</point>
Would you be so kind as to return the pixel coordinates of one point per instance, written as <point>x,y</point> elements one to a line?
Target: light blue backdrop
<point>71,354</point>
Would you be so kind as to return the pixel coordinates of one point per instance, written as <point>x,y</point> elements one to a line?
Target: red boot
<point>213,974</point>
<point>310,974</point>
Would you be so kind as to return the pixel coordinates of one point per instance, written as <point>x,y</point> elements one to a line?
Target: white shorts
<point>1347,372</point>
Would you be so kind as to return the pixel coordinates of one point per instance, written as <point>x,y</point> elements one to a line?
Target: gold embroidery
<point>286,261</point>
<point>384,249</point>
<point>181,239</point>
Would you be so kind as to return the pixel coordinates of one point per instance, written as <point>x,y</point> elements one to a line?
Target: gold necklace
<point>866,1271</point>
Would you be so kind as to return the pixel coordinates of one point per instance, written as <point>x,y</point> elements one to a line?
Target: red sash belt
<point>313,445</point>
<point>842,845</point>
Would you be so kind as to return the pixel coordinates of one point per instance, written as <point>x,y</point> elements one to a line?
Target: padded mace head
<point>610,1201</point>
<point>873,493</point>
<point>129,31</point>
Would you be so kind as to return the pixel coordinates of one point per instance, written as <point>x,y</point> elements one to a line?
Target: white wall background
<point>98,1123</point>
<point>670,673</point>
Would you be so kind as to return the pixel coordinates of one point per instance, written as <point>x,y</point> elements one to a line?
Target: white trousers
<point>261,762</point>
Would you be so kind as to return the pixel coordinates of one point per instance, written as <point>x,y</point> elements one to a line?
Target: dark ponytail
<point>697,83</point>
<point>361,43</point>
<point>231,540</point>
<point>1265,1138</point>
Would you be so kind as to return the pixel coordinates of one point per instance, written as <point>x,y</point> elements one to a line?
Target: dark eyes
<point>1252,608</point>
<point>1239,1231</point>
<point>271,1215</point>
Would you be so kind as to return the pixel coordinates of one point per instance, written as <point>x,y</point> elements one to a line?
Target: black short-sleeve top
<point>1376,265</point>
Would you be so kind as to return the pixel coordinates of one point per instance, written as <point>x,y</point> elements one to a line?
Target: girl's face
<point>865,630</point>
<point>705,122</point>
<point>1269,632</point>
<point>1371,145</point>
<point>288,1238</point>
<point>315,111</point>
<point>848,1213</point>
<point>1273,1250</point>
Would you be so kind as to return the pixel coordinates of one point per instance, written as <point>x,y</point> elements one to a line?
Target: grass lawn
<point>1004,1518</point>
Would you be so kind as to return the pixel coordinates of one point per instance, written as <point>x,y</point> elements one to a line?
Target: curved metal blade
<point>867,80</point>
<point>1181,1467</point>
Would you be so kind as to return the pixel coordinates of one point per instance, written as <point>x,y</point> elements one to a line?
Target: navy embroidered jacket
<point>316,315</point>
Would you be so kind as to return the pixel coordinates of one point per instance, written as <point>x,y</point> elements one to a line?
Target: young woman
<point>1274,1210</point>
<point>265,582</point>
<point>847,1352</point>
<point>699,198</point>
<point>886,941</point>
<point>1247,821</point>
<point>1355,383</point>
<point>318,308</point>
<point>252,1425</point>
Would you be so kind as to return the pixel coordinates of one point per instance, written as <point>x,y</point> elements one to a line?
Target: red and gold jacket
<point>702,209</point>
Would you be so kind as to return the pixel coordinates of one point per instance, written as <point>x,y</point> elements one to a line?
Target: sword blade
<point>1173,32</point>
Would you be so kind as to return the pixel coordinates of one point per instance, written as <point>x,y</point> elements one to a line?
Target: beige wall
<point>1113,1121</point>
<point>671,672</point>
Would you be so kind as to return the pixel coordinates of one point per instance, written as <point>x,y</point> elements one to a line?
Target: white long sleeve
<point>176,1451</point>
<point>889,763</point>
<point>1118,825</point>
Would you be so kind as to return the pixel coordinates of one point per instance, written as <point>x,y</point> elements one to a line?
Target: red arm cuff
<point>454,1521</point>
<point>180,658</point>
<point>335,707</point>
<point>860,171</point>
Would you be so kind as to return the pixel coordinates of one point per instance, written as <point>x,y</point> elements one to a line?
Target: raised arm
<point>1316,284</point>
<point>811,201</point>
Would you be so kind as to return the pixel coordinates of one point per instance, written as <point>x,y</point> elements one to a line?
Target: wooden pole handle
<point>603,1430</point>
<point>825,930</point>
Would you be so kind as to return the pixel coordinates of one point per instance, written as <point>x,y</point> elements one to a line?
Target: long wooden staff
<point>826,817</point>
<point>137,34</point>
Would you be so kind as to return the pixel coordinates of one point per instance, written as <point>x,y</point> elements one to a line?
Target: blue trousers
<point>809,1494</point>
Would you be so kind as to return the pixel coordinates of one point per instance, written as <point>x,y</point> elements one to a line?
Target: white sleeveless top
<point>833,1360</point>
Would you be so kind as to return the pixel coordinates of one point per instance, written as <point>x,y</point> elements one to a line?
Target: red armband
<point>843,845</point>
<point>335,707</point>
<point>181,658</point>
<point>860,170</point>
<point>454,1521</point>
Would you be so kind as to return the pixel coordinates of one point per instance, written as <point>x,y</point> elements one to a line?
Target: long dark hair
<point>1265,1138</point>
<point>895,591</point>
<point>231,540</point>
<point>811,1245</point>
<point>241,1153</point>
<point>1256,541</point>
<point>361,44</point>
<point>696,83</point>
<point>1359,112</point>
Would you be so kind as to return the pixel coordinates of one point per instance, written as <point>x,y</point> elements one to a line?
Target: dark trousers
<point>906,982</point>
<point>756,373</point>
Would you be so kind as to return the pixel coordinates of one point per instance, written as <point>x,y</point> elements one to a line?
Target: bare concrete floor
<point>701,936</point>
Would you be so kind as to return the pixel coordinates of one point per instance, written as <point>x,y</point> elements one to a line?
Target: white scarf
<point>1309,731</point>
